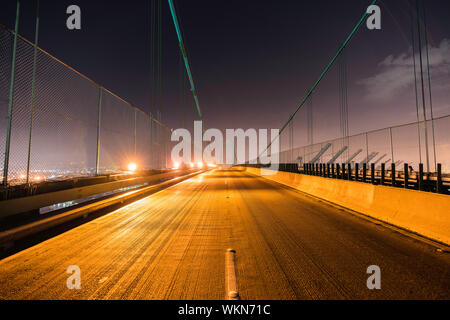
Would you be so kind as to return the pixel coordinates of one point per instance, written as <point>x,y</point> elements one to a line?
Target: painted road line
<point>231,279</point>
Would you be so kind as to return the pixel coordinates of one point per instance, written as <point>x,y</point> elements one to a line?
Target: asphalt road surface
<point>172,245</point>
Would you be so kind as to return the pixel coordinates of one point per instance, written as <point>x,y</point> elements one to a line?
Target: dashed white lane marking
<point>231,279</point>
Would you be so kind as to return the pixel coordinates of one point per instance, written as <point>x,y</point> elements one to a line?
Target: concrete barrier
<point>424,213</point>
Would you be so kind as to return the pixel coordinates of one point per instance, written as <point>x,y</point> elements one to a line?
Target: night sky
<point>252,60</point>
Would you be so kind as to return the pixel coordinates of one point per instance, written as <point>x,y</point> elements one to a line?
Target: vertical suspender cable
<point>11,98</point>
<point>33,87</point>
<point>415,82</point>
<point>160,17</point>
<point>429,85</point>
<point>99,128</point>
<point>423,87</point>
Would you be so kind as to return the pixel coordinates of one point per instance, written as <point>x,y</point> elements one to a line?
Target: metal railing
<point>70,126</point>
<point>386,176</point>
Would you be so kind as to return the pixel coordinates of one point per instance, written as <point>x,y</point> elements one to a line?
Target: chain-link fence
<point>399,145</point>
<point>71,126</point>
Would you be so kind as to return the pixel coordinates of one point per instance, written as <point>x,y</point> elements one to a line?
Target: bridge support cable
<point>291,141</point>
<point>322,75</point>
<point>419,39</point>
<point>343,104</point>
<point>309,120</point>
<point>11,98</point>
<point>184,54</point>
<point>33,88</point>
<point>156,55</point>
<point>413,44</point>
<point>429,83</point>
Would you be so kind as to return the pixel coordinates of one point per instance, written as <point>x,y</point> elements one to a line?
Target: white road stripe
<point>231,279</point>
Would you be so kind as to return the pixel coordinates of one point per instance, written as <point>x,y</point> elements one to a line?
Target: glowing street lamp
<point>132,166</point>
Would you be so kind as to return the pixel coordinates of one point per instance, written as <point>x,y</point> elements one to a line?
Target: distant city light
<point>200,164</point>
<point>176,165</point>
<point>211,165</point>
<point>132,166</point>
<point>192,165</point>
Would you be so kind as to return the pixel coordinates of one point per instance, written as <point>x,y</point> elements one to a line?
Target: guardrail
<point>420,180</point>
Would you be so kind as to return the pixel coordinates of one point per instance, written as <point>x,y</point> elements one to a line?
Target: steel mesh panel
<point>117,134</point>
<point>65,122</point>
<point>143,141</point>
<point>406,145</point>
<point>380,143</point>
<point>442,137</point>
<point>65,118</point>
<point>20,115</point>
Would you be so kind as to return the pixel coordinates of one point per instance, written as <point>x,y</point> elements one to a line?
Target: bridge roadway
<point>171,245</point>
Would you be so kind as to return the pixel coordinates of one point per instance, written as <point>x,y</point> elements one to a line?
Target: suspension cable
<point>184,54</point>
<point>324,72</point>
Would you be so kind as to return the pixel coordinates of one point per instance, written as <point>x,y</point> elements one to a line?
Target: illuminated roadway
<point>172,244</point>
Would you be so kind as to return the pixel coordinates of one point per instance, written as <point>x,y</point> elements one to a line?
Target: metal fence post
<point>99,124</point>
<point>393,174</point>
<point>364,177</point>
<point>420,177</point>
<point>372,173</point>
<point>406,175</point>
<point>11,99</point>
<point>33,88</point>
<point>439,178</point>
